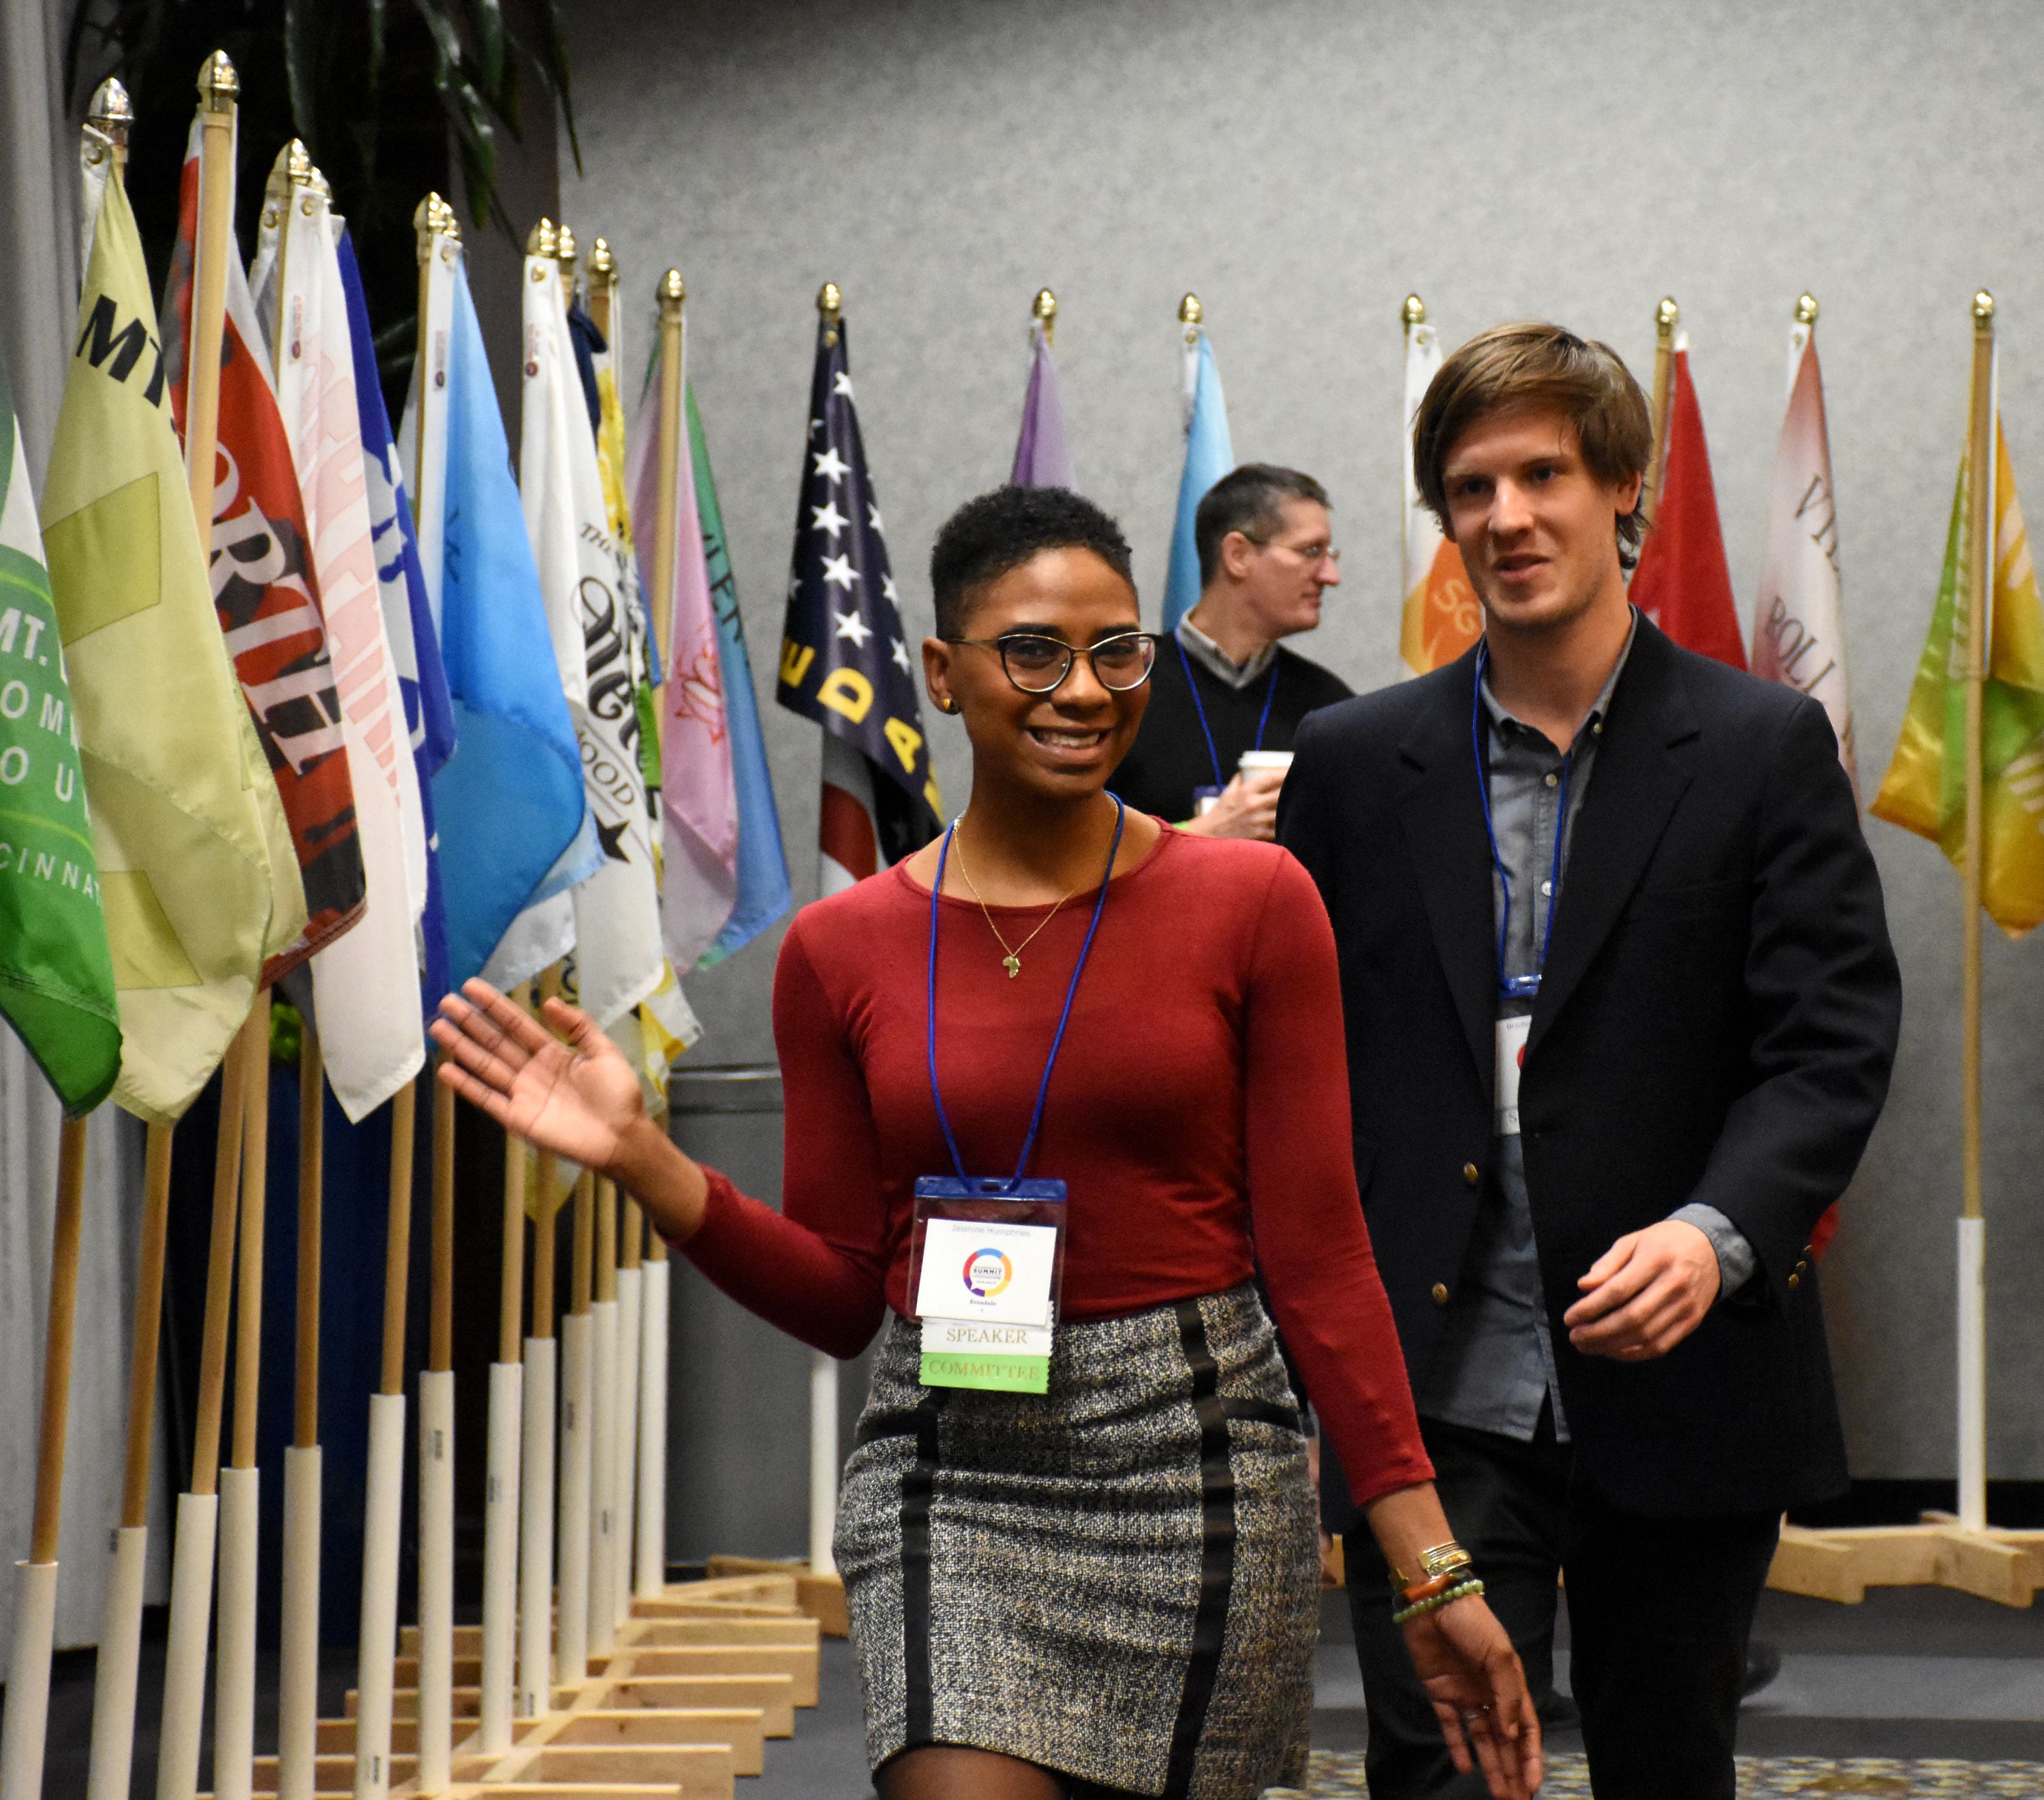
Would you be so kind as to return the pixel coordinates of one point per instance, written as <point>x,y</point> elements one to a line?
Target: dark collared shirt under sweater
<point>1495,1366</point>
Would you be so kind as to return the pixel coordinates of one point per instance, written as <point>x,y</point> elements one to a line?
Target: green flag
<point>57,973</point>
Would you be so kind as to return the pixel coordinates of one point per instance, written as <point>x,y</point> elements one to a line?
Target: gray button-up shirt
<point>1495,1365</point>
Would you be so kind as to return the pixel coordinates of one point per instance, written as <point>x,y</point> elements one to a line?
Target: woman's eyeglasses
<point>1039,665</point>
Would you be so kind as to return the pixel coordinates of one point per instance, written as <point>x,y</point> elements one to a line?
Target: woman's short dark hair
<point>1001,531</point>
<point>1535,366</point>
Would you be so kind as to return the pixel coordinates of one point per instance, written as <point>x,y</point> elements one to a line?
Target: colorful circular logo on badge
<point>987,1272</point>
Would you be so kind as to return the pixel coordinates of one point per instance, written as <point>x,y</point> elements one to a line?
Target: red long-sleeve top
<point>1198,1114</point>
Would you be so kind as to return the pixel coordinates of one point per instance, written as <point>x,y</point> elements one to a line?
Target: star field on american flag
<point>844,656</point>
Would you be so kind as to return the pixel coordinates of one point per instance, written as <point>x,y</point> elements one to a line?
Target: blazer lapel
<point>1635,784</point>
<point>1441,816</point>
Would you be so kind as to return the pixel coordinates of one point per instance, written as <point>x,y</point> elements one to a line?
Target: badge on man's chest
<point>1512,1035</point>
<point>985,1273</point>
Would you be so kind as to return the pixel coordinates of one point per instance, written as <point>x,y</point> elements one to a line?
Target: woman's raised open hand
<point>577,1099</point>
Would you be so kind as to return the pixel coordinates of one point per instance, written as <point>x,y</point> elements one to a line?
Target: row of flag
<point>401,722</point>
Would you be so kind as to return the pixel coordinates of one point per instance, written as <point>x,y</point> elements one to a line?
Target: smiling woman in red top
<point>1107,1587</point>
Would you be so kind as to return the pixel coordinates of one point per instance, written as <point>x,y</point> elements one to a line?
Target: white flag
<point>1441,618</point>
<point>1799,626</point>
<point>615,927</point>
<point>366,984</point>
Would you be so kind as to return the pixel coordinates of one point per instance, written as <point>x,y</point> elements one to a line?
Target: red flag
<point>264,591</point>
<point>1682,583</point>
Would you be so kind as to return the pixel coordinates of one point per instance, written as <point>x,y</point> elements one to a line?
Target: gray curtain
<point>39,209</point>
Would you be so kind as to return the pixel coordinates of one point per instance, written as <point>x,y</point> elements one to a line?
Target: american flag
<point>846,660</point>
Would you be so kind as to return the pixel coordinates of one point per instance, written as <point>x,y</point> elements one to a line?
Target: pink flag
<point>698,797</point>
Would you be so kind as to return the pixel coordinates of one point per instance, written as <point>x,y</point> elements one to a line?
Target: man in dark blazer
<point>1620,1008</point>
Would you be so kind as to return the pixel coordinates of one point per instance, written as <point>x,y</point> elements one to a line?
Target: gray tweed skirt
<point>1117,1579</point>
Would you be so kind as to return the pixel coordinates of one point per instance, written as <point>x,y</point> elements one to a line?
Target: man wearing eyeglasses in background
<point>1223,683</point>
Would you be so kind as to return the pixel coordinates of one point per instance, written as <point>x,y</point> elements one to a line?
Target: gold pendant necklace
<point>1012,961</point>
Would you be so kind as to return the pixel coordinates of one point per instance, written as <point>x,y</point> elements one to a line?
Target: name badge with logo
<point>1511,1034</point>
<point>986,1265</point>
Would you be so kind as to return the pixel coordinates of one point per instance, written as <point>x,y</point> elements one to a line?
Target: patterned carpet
<point>1338,1775</point>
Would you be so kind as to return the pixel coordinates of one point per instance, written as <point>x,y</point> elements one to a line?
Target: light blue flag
<point>763,891</point>
<point>514,824</point>
<point>408,618</point>
<point>1208,456</point>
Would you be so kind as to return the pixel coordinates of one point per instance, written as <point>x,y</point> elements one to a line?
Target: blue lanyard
<point>1199,706</point>
<point>1064,1017</point>
<point>1517,987</point>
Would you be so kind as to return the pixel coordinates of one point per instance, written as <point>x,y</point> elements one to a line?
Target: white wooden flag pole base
<point>297,1670</point>
<point>603,1477</point>
<point>651,1574</point>
<point>435,1578</point>
<point>184,1654</point>
<point>500,1557</point>
<point>535,1539</point>
<point>375,1677</point>
<point>823,1461</point>
<point>624,1481</point>
<point>234,1655</point>
<point>571,1548</point>
<point>120,1657</point>
<point>1972,1374</point>
<point>29,1679</point>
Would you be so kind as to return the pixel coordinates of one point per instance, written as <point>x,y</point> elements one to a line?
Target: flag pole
<point>500,1509</point>
<point>117,1667</point>
<point>571,1628</point>
<point>1971,1241</point>
<point>114,1677</point>
<point>1413,315</point>
<point>22,1741</point>
<point>377,1650</point>
<point>536,1524</point>
<point>631,1331</point>
<point>198,1506</point>
<point>436,1470</point>
<point>603,1427</point>
<point>297,1674</point>
<point>1666,317</point>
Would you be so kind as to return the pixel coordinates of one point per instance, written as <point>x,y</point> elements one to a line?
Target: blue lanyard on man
<point>1199,706</point>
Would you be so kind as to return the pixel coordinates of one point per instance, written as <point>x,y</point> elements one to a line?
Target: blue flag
<point>1208,456</point>
<point>764,890</point>
<point>408,618</point>
<point>514,825</point>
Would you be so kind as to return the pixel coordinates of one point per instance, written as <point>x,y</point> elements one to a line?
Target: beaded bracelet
<point>1468,1589</point>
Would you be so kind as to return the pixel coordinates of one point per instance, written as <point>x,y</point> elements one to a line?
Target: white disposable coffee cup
<point>1261,761</point>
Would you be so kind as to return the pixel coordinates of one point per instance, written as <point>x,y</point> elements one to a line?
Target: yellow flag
<point>184,811</point>
<point>1925,790</point>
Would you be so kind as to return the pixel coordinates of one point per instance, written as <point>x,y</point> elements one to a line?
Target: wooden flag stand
<point>1959,1551</point>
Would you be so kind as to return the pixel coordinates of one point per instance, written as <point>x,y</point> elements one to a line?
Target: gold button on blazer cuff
<point>1471,1173</point>
<point>1441,1292</point>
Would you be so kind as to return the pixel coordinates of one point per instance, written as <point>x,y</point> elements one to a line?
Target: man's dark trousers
<point>1716,1024</point>
<point>1659,1611</point>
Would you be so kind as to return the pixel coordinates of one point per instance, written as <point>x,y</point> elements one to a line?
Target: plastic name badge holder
<point>987,1265</point>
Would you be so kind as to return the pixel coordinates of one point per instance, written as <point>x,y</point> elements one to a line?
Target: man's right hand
<point>1247,807</point>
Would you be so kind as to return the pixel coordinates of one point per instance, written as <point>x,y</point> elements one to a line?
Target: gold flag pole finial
<point>674,291</point>
<point>430,219</point>
<point>568,250</point>
<point>219,88</point>
<point>601,262</point>
<point>111,115</point>
<point>1045,308</point>
<point>1806,309</point>
<point>1983,311</point>
<point>1191,314</point>
<point>602,289</point>
<point>830,302</point>
<point>1666,317</point>
<point>543,240</point>
<point>1414,312</point>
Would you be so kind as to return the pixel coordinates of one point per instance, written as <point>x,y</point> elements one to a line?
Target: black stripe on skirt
<point>1216,1552</point>
<point>915,1489</point>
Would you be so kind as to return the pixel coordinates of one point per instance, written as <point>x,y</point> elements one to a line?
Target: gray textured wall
<point>1301,164</point>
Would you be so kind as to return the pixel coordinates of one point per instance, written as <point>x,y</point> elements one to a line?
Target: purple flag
<point>1041,459</point>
